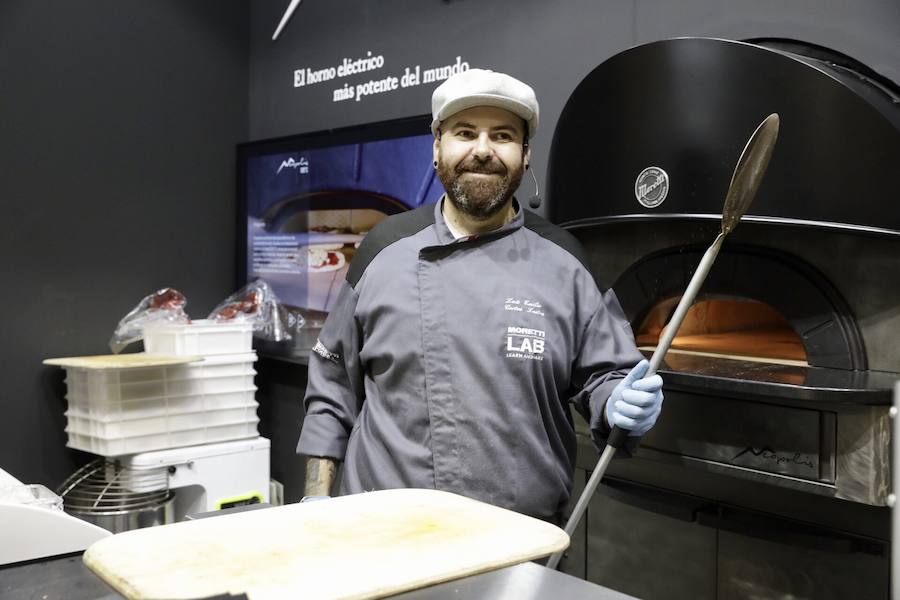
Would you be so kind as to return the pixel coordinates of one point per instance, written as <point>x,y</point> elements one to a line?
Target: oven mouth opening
<point>726,327</point>
<point>757,303</point>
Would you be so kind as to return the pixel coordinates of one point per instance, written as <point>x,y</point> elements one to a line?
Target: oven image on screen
<point>308,202</point>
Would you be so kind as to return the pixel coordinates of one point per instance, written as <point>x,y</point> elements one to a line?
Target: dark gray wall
<point>118,121</point>
<point>550,44</point>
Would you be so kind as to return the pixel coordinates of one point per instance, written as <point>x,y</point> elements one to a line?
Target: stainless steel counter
<point>56,578</point>
<point>527,581</point>
<point>66,578</point>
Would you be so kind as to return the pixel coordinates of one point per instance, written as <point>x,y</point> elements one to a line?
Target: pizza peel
<point>355,547</point>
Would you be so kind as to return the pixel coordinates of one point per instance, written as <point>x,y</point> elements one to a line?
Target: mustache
<point>492,167</point>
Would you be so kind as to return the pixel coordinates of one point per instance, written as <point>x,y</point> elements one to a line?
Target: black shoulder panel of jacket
<point>563,239</point>
<point>388,231</point>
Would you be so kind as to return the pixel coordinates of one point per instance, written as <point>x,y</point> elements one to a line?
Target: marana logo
<point>290,163</point>
<point>779,459</point>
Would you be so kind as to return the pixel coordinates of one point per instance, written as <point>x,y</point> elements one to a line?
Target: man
<point>465,330</point>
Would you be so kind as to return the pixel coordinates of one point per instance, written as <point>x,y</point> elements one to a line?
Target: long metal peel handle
<point>588,492</point>
<point>618,436</point>
<point>706,263</point>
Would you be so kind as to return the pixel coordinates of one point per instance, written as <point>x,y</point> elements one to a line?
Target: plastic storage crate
<point>123,411</point>
<point>148,408</point>
<point>201,337</point>
<point>116,446</point>
<point>214,375</point>
<point>113,428</point>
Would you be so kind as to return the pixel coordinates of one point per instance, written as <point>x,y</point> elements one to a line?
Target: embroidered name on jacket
<point>325,353</point>
<point>527,306</point>
<point>524,342</point>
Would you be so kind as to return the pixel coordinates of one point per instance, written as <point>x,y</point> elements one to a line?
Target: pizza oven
<point>778,384</point>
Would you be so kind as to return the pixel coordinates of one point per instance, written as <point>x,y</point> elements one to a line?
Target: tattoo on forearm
<point>320,474</point>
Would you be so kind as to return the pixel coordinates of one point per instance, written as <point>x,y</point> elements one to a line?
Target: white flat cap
<point>479,87</point>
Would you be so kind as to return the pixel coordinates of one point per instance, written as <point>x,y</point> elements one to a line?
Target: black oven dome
<point>688,105</point>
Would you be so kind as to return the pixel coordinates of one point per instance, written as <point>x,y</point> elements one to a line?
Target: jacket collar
<point>446,238</point>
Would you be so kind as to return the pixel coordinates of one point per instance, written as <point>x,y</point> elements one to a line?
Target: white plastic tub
<point>114,429</point>
<point>92,391</point>
<point>201,337</point>
<point>147,408</point>
<point>173,439</point>
<point>214,375</point>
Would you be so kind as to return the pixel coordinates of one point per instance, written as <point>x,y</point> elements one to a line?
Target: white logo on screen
<point>290,163</point>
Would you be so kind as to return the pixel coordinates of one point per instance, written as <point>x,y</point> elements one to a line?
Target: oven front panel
<point>777,440</point>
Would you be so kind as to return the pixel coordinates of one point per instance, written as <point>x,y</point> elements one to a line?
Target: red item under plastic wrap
<point>248,305</point>
<point>168,299</point>
<point>256,303</point>
<point>166,304</point>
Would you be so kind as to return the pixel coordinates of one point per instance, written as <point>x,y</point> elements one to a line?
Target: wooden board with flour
<point>368,545</point>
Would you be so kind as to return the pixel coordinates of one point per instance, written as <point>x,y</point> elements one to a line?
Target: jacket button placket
<point>436,358</point>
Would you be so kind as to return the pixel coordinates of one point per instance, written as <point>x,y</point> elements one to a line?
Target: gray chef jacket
<point>451,364</point>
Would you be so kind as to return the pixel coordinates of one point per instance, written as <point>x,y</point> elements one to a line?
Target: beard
<point>479,197</point>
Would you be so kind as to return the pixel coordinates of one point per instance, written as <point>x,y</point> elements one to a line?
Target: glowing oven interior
<point>726,327</point>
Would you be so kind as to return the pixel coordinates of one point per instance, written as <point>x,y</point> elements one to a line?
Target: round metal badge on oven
<point>651,187</point>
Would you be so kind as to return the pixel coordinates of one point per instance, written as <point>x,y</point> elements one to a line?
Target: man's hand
<point>320,473</point>
<point>636,402</point>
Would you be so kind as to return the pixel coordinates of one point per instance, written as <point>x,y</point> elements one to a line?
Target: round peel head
<point>749,172</point>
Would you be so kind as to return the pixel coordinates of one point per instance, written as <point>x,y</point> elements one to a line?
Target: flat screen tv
<point>306,202</point>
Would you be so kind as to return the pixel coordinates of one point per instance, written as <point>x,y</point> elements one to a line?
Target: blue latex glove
<point>636,402</point>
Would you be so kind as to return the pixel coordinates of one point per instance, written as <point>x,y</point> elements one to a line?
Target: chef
<point>466,330</point>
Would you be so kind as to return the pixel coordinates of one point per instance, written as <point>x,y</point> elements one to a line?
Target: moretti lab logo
<point>525,342</point>
<point>651,187</point>
<point>301,165</point>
